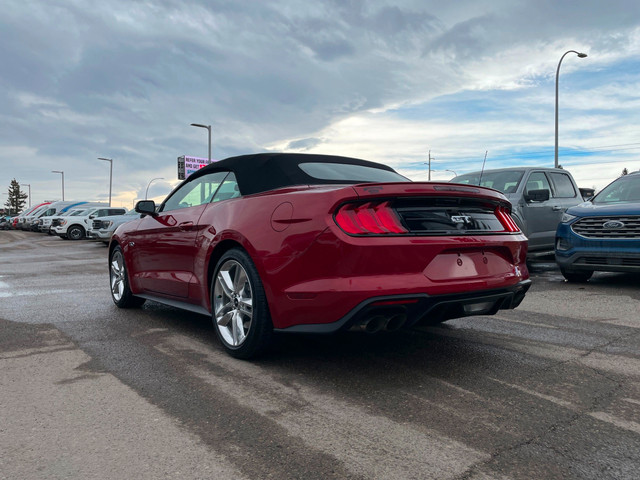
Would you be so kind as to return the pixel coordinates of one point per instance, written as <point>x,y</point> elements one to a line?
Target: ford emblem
<point>613,225</point>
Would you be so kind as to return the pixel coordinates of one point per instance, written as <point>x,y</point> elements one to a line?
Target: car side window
<point>537,181</point>
<point>563,185</point>
<point>195,192</point>
<point>228,189</point>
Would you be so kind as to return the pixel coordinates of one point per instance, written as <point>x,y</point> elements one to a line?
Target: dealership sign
<point>187,165</point>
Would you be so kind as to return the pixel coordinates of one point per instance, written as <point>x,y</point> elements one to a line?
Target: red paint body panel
<point>312,271</point>
<point>165,247</point>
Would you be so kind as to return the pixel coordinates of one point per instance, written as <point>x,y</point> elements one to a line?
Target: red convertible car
<point>317,243</point>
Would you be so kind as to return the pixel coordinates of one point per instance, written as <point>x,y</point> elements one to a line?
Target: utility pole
<point>430,165</point>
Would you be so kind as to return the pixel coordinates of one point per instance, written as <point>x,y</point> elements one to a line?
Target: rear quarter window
<point>350,173</point>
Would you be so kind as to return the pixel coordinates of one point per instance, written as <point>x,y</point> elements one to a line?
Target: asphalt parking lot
<point>550,390</point>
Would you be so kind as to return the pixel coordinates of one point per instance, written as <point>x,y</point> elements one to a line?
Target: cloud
<point>303,144</point>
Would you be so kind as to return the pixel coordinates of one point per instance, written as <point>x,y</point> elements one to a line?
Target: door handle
<point>185,226</point>
<point>556,208</point>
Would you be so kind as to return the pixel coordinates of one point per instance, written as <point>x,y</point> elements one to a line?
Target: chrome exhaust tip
<point>396,322</point>
<point>373,324</point>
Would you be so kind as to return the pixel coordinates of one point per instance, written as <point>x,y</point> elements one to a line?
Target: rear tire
<point>119,281</point>
<point>576,277</point>
<point>239,308</point>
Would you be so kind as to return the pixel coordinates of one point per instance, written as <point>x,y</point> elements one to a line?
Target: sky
<point>389,81</point>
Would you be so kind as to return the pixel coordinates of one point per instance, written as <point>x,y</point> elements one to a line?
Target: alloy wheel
<point>233,303</point>
<point>117,273</point>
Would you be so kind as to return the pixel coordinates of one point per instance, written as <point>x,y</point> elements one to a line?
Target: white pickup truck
<point>75,227</point>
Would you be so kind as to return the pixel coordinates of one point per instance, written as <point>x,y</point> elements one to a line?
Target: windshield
<point>625,189</point>
<point>504,181</point>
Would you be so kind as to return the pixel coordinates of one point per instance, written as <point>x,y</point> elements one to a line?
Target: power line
<point>575,152</point>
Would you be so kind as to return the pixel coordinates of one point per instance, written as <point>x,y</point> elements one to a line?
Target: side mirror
<point>91,217</point>
<point>541,195</point>
<point>147,207</point>
<point>587,193</point>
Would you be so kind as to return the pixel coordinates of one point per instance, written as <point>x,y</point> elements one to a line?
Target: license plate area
<point>460,265</point>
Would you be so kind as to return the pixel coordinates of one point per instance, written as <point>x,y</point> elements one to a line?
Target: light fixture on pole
<point>454,173</point>
<point>110,174</point>
<point>157,178</point>
<point>208,127</point>
<point>61,173</point>
<point>580,55</point>
<point>28,185</point>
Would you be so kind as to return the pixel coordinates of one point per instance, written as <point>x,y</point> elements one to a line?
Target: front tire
<point>119,281</point>
<point>239,307</point>
<point>576,277</point>
<point>76,232</point>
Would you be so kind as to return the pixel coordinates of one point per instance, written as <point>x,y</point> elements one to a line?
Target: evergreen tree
<point>17,198</point>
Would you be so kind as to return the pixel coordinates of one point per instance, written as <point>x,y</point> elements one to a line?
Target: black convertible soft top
<point>262,172</point>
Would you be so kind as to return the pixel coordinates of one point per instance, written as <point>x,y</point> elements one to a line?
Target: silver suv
<point>539,197</point>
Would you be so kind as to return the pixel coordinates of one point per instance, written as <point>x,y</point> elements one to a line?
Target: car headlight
<point>567,217</point>
<point>106,223</point>
<point>63,222</point>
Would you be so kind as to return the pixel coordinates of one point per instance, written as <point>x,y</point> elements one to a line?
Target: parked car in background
<point>539,197</point>
<point>317,244</point>
<point>55,221</point>
<point>58,208</point>
<point>602,234</point>
<point>102,228</point>
<point>75,227</point>
<point>5,223</point>
<point>25,217</point>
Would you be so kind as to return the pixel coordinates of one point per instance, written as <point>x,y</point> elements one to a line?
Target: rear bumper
<point>423,308</point>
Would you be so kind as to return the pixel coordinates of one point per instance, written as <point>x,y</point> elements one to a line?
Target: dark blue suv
<point>602,234</point>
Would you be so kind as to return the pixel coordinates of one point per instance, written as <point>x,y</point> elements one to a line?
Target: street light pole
<point>454,173</point>
<point>429,164</point>
<point>208,127</point>
<point>110,174</point>
<point>157,178</point>
<point>61,173</point>
<point>580,55</point>
<point>28,185</point>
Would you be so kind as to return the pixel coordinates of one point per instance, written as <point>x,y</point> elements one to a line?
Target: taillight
<point>505,219</point>
<point>371,218</point>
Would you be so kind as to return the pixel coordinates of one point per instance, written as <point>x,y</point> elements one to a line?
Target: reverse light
<point>371,218</point>
<point>505,219</point>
